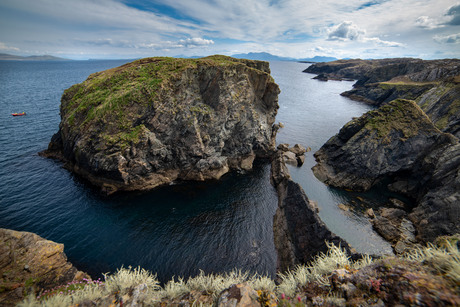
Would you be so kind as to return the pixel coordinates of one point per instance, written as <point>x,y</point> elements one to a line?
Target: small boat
<point>18,114</point>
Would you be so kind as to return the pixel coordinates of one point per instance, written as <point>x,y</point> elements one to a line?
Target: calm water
<point>175,230</point>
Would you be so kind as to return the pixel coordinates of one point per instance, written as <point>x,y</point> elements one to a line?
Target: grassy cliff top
<point>401,115</point>
<point>115,99</point>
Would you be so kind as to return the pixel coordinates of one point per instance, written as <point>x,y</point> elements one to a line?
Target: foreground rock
<point>398,143</point>
<point>434,84</point>
<point>157,120</point>
<point>30,264</point>
<point>299,233</point>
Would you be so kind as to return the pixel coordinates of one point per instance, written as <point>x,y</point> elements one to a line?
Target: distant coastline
<point>10,57</point>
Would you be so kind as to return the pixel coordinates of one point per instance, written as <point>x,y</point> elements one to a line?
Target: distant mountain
<point>10,57</point>
<point>317,59</point>
<point>261,56</point>
<point>265,56</point>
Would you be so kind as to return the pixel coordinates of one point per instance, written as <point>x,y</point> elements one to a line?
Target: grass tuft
<point>445,259</point>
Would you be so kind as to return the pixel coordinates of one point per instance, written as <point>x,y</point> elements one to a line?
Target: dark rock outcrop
<point>438,210</point>
<point>157,120</point>
<point>299,233</point>
<point>434,85</point>
<point>30,264</point>
<point>400,144</point>
<point>380,144</point>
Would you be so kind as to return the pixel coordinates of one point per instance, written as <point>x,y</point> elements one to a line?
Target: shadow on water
<point>182,228</point>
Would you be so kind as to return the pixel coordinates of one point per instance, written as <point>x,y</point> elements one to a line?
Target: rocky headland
<point>157,120</point>
<point>398,145</point>
<point>434,85</point>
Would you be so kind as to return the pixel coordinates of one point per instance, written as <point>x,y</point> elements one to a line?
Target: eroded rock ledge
<point>299,233</point>
<point>156,120</point>
<point>30,264</point>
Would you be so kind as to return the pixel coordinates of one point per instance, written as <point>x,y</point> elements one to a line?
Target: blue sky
<point>82,29</point>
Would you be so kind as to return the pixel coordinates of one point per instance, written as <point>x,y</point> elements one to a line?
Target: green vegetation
<point>112,100</point>
<point>400,114</point>
<point>454,108</point>
<point>122,139</point>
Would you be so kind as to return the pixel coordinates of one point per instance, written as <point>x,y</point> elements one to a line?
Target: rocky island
<point>409,143</point>
<point>157,120</point>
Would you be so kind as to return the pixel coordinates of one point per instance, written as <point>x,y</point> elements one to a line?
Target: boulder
<point>283,147</point>
<point>157,120</point>
<point>370,213</point>
<point>300,160</point>
<point>344,207</point>
<point>298,149</point>
<point>30,264</point>
<point>290,158</point>
<point>240,295</point>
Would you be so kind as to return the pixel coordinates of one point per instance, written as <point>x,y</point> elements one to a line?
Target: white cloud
<point>448,39</point>
<point>427,23</point>
<point>5,47</point>
<point>346,30</point>
<point>195,42</point>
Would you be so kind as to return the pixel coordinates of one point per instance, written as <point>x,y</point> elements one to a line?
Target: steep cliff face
<point>299,233</point>
<point>434,85</point>
<point>156,120</point>
<point>30,264</point>
<point>399,143</point>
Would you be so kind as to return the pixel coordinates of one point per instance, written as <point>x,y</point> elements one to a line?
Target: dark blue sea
<point>175,230</point>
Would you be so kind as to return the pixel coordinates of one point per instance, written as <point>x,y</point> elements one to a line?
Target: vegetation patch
<point>401,115</point>
<point>331,279</point>
<point>109,101</point>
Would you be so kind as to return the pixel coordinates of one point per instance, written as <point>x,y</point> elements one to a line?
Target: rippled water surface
<point>175,230</point>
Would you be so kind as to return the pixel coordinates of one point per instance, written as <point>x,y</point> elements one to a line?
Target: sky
<point>127,29</point>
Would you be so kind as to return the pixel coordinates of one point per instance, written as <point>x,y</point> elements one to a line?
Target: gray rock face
<point>398,143</point>
<point>299,233</point>
<point>378,145</point>
<point>438,210</point>
<point>157,120</point>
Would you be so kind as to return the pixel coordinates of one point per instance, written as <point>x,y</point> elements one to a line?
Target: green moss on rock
<point>401,115</point>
